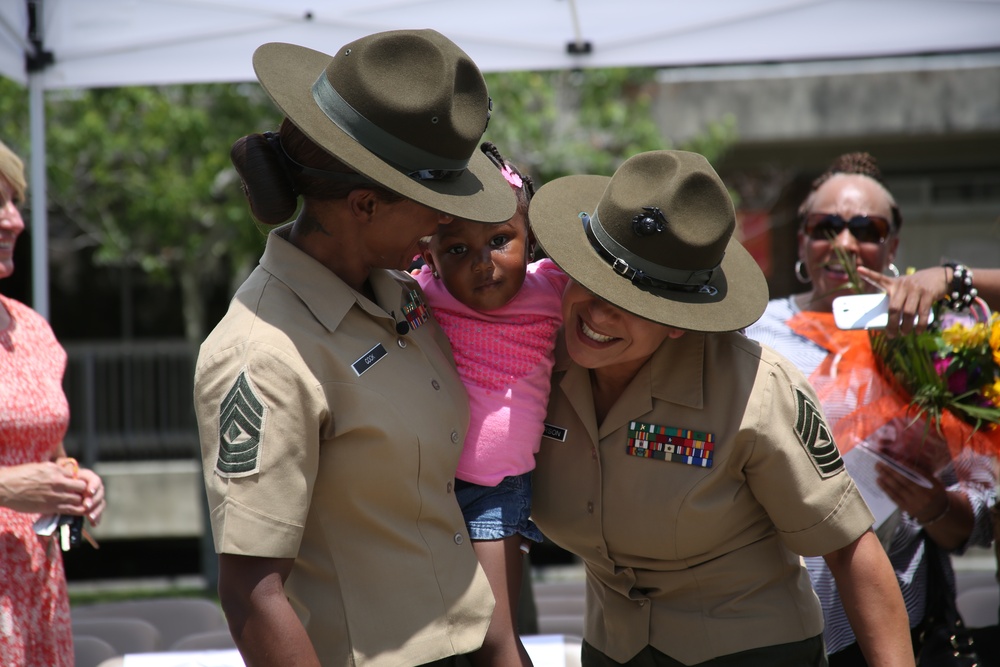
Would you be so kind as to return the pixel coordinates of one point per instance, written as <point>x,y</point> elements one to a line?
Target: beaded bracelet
<point>961,293</point>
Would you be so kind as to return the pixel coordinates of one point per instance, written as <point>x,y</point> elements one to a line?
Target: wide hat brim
<point>287,73</point>
<point>555,220</point>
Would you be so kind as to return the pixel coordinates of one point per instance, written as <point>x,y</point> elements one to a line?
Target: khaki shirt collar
<point>677,369</point>
<point>326,296</point>
<point>675,374</point>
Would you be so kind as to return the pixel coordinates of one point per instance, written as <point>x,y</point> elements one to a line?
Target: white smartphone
<point>863,311</point>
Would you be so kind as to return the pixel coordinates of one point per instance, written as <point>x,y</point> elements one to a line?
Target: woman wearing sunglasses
<point>850,216</point>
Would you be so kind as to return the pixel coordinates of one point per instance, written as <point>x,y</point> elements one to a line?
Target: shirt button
<point>593,453</point>
<point>454,436</point>
<point>590,508</point>
<point>450,486</point>
<point>458,538</point>
<point>642,603</point>
<point>401,342</point>
<point>436,385</point>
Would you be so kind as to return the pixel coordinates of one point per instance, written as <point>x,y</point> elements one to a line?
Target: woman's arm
<point>911,296</point>
<point>261,620</point>
<point>954,511</point>
<point>42,488</point>
<point>946,514</point>
<point>987,281</point>
<point>873,601</point>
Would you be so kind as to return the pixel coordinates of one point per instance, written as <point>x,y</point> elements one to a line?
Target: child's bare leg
<point>502,562</point>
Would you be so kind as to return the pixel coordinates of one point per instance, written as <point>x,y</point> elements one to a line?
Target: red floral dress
<point>35,628</point>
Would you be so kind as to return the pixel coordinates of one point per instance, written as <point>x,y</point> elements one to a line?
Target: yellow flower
<point>954,335</point>
<point>995,338</point>
<point>992,392</point>
<point>959,336</point>
<point>978,335</point>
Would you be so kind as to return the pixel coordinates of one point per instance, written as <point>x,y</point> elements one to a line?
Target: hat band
<point>629,265</point>
<point>292,166</point>
<point>416,161</point>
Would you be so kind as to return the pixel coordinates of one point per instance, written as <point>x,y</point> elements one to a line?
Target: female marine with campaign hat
<point>330,414</point>
<point>688,466</point>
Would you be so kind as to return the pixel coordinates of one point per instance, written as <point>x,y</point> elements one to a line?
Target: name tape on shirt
<point>667,443</point>
<point>554,432</point>
<point>370,358</point>
<point>814,434</point>
<point>242,415</point>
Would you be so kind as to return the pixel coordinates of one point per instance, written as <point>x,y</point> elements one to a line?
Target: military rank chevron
<point>815,436</point>
<point>241,427</point>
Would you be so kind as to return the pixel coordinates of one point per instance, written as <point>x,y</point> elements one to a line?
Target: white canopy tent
<point>53,44</point>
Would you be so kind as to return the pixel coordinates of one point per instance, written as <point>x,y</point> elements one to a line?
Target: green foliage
<point>145,172</point>
<point>552,124</point>
<point>14,118</point>
<point>98,595</point>
<point>716,138</point>
<point>143,175</point>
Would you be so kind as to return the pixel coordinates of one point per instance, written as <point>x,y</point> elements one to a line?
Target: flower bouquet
<point>918,399</point>
<point>950,374</point>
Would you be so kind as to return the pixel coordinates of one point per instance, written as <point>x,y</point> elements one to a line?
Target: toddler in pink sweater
<point>501,312</point>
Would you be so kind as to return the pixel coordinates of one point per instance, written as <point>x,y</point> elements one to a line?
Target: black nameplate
<point>372,357</point>
<point>554,433</point>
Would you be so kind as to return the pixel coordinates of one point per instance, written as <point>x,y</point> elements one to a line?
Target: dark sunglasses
<point>864,228</point>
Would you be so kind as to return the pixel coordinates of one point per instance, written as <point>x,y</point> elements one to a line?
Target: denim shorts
<point>496,512</point>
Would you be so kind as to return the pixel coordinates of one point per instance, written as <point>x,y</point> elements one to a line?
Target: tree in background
<point>142,177</point>
<point>558,123</point>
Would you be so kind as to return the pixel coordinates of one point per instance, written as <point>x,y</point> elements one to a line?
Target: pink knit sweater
<point>505,360</point>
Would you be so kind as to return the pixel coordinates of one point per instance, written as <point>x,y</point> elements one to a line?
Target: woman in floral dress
<point>36,477</point>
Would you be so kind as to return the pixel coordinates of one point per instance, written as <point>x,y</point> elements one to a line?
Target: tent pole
<point>578,46</point>
<point>36,59</point>
<point>39,196</point>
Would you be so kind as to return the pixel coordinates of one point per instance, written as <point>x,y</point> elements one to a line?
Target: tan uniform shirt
<point>698,561</point>
<point>331,439</point>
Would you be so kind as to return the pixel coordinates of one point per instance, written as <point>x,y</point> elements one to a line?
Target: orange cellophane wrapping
<point>859,400</point>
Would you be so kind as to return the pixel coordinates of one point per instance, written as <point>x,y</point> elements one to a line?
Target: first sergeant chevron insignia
<point>815,436</point>
<point>241,429</point>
